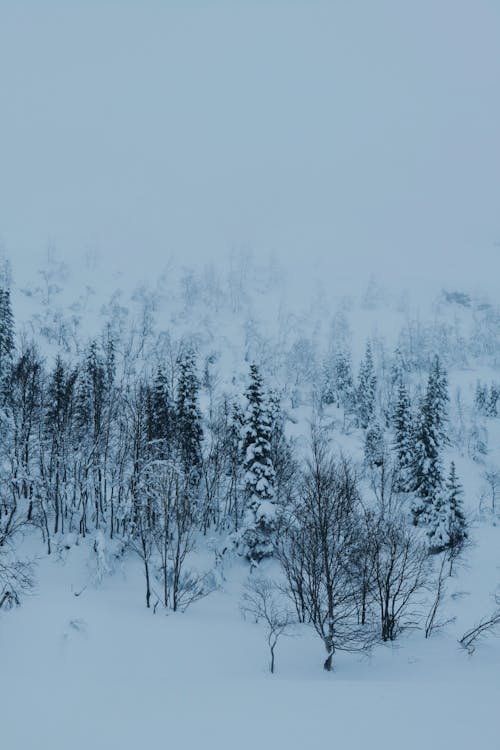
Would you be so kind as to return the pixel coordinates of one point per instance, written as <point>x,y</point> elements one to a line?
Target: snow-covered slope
<point>98,670</point>
<point>90,666</point>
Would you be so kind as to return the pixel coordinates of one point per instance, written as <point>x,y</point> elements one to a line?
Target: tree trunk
<point>330,649</point>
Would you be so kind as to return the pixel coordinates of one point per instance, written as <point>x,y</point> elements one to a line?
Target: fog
<point>340,137</point>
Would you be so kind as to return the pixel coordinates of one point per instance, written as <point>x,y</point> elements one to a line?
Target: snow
<point>97,670</point>
<point>270,180</point>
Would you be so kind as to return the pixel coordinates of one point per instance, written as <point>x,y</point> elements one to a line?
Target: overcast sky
<point>323,132</point>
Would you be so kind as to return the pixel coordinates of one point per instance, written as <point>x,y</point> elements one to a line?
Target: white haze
<point>347,137</point>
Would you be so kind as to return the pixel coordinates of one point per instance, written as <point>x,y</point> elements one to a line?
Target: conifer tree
<point>6,339</point>
<point>403,444</point>
<point>328,380</point>
<point>60,392</point>
<point>366,391</point>
<point>430,437</point>
<point>260,517</point>
<point>447,523</point>
<point>437,394</point>
<point>159,410</point>
<point>189,432</point>
<point>458,522</point>
<point>344,384</point>
<point>58,432</point>
<point>374,447</point>
<point>492,405</point>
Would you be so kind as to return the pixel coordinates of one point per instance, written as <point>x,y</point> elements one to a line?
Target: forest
<point>325,464</point>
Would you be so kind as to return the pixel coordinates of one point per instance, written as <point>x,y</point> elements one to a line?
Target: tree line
<point>151,455</point>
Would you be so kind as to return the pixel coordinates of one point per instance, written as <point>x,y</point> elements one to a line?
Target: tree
<point>366,391</point>
<point>481,397</point>
<point>189,432</point>
<point>344,384</point>
<point>160,413</point>
<point>447,522</point>
<point>16,578</point>
<point>282,457</point>
<point>259,479</point>
<point>170,491</point>
<point>260,600</point>
<point>488,624</point>
<point>400,565</point>
<point>58,422</point>
<point>6,339</point>
<point>403,444</point>
<point>315,549</point>
<point>430,437</point>
<point>374,447</point>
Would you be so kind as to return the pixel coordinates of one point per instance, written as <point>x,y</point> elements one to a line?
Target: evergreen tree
<point>328,380</point>
<point>90,395</point>
<point>159,410</point>
<point>83,404</point>
<point>366,391</point>
<point>58,419</point>
<point>437,393</point>
<point>430,437</point>
<point>60,394</point>
<point>344,384</point>
<point>447,523</point>
<point>374,445</point>
<point>6,340</point>
<point>189,432</point>
<point>492,405</point>
<point>457,521</point>
<point>260,517</point>
<point>403,444</point>
<point>481,398</point>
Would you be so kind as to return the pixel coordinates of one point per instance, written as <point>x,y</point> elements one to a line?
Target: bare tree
<point>16,578</point>
<point>315,552</point>
<point>260,600</point>
<point>401,565</point>
<point>439,588</point>
<point>492,479</point>
<point>488,624</point>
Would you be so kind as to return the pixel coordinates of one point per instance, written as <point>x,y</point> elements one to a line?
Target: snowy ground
<point>98,670</point>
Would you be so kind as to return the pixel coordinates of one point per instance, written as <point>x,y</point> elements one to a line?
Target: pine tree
<point>430,437</point>
<point>344,384</point>
<point>260,517</point>
<point>159,409</point>
<point>492,405</point>
<point>403,444</point>
<point>6,340</point>
<point>60,393</point>
<point>439,399</point>
<point>447,523</point>
<point>366,391</point>
<point>189,432</point>
<point>328,380</point>
<point>58,430</point>
<point>481,397</point>
<point>90,394</point>
<point>457,520</point>
<point>374,445</point>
